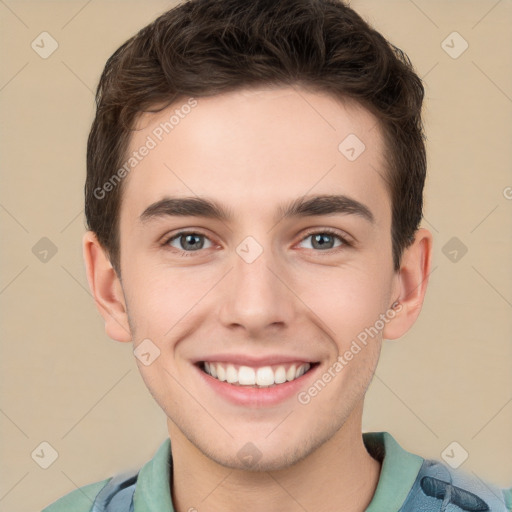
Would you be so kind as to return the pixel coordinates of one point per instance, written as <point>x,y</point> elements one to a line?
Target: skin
<point>252,150</point>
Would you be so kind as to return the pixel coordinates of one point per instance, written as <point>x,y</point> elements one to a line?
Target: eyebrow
<point>300,207</point>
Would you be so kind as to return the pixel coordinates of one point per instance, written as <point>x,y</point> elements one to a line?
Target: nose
<point>256,296</point>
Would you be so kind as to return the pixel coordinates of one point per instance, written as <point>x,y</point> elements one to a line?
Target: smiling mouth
<point>260,377</point>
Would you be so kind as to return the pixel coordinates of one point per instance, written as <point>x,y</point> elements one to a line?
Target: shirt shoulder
<point>439,485</point>
<point>409,483</point>
<point>152,486</point>
<point>79,500</point>
<point>507,496</point>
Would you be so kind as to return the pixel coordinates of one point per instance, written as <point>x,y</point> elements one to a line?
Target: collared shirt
<point>152,492</point>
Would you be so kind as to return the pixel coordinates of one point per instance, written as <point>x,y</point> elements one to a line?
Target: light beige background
<point>64,382</point>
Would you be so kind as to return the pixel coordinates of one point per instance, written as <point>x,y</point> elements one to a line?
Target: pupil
<point>318,239</point>
<point>192,244</point>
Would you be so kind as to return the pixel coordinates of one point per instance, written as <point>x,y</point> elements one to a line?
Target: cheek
<point>160,297</point>
<point>345,300</point>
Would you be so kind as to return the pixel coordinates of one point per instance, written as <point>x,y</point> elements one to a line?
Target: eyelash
<point>325,231</point>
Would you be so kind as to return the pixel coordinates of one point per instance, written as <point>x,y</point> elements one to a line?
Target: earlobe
<point>413,280</point>
<point>106,289</point>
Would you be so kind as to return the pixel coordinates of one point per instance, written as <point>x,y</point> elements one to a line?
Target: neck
<point>339,475</point>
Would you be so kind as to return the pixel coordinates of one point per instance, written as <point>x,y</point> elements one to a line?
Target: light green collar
<point>152,491</point>
<point>398,472</point>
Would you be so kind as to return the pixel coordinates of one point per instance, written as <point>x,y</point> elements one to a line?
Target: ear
<point>106,289</point>
<point>412,284</point>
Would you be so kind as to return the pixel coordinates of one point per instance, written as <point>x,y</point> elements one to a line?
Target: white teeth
<point>280,375</point>
<point>290,374</point>
<point>231,374</point>
<point>264,376</point>
<point>221,372</point>
<point>247,376</point>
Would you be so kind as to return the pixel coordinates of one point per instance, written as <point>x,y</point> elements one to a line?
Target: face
<point>295,269</point>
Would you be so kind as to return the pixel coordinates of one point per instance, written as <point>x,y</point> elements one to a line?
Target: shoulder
<point>437,483</point>
<point>79,500</point>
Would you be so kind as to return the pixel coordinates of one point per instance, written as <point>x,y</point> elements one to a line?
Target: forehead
<point>257,147</point>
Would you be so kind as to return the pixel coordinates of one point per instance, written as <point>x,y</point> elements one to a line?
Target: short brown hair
<point>206,47</point>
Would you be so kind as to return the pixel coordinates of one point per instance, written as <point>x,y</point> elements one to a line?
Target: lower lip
<point>258,397</point>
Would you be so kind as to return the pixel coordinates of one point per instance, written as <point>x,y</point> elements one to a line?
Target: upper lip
<point>247,360</point>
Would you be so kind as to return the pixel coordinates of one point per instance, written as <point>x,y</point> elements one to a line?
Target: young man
<point>254,188</point>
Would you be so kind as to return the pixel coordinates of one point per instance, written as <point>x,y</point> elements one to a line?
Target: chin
<point>260,454</point>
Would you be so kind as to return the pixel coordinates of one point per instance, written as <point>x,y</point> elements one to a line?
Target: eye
<point>189,241</point>
<point>324,240</point>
